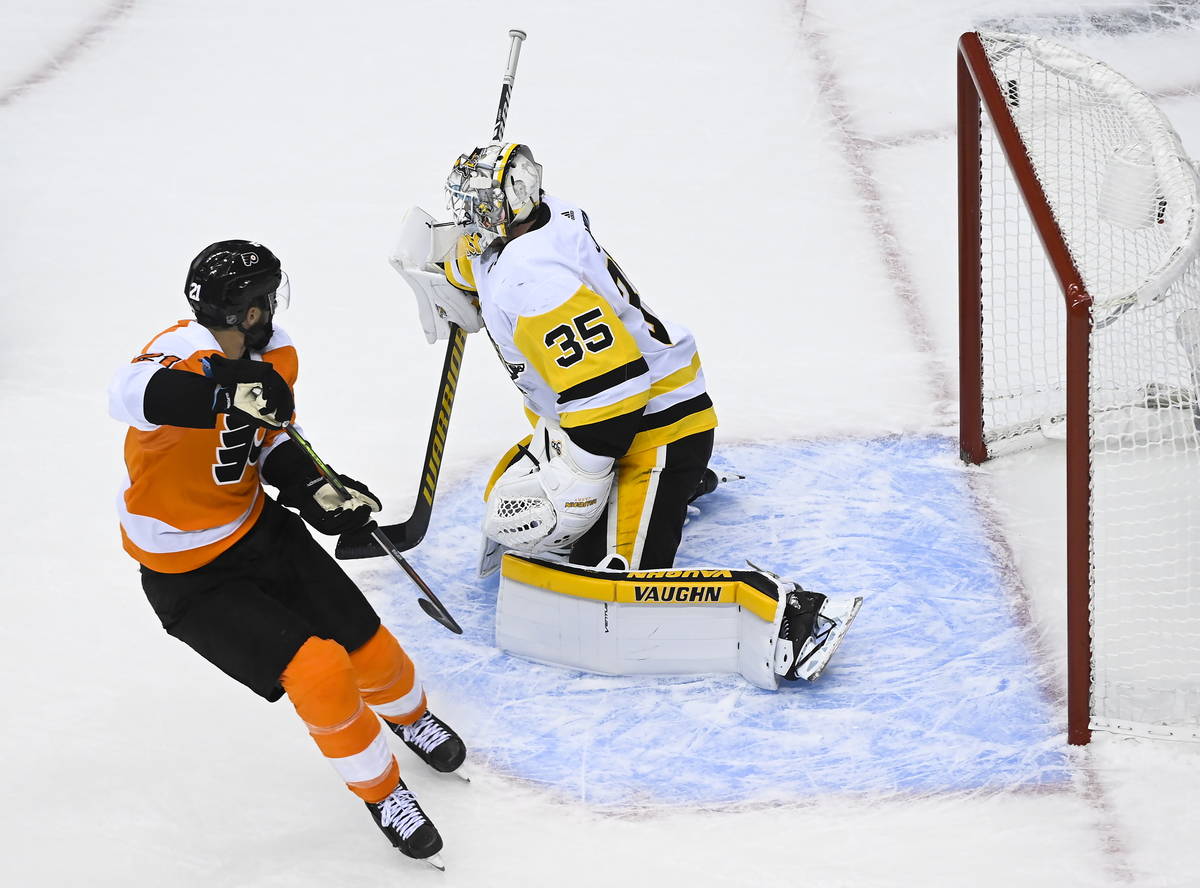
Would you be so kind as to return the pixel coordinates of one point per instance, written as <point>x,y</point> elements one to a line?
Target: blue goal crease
<point>933,690</point>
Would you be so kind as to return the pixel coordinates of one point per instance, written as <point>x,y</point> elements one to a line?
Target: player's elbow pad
<point>179,398</point>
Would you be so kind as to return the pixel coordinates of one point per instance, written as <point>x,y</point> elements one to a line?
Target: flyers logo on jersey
<point>240,446</point>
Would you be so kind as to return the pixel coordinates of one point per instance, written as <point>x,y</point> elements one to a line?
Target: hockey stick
<point>430,603</point>
<point>510,75</point>
<point>409,533</point>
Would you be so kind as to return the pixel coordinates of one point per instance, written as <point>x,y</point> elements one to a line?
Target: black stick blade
<point>442,616</point>
<point>357,544</point>
<point>361,544</point>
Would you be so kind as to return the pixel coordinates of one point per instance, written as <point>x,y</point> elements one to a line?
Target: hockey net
<point>1079,305</point>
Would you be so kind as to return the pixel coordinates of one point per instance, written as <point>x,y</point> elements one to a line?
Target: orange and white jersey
<point>578,340</point>
<point>189,494</point>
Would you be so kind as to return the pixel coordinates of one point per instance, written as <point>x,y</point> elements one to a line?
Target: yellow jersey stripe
<point>700,421</point>
<point>678,379</point>
<point>458,273</point>
<point>570,419</point>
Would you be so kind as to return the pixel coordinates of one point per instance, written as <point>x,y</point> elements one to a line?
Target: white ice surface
<point>739,161</point>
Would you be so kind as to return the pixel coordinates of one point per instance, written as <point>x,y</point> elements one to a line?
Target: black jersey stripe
<point>676,412</point>
<point>608,437</point>
<point>603,382</point>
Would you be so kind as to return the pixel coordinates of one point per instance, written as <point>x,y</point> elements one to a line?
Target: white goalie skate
<point>811,631</point>
<point>830,626</point>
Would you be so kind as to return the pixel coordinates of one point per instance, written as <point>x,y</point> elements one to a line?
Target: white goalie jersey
<point>577,339</point>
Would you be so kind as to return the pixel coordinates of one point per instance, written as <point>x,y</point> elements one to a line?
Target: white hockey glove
<point>548,505</point>
<point>439,303</point>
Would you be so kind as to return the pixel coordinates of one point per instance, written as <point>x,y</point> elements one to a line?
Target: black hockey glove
<point>250,390</point>
<point>325,510</point>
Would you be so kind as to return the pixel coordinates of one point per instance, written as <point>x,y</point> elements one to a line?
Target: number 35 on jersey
<point>579,340</point>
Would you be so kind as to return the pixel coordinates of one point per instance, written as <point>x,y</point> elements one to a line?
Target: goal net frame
<point>983,111</point>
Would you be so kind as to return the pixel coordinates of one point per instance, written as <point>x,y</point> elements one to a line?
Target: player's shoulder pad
<point>177,343</point>
<point>279,339</point>
<point>539,287</point>
<point>570,222</point>
<point>281,354</point>
<point>564,212</point>
<point>540,271</point>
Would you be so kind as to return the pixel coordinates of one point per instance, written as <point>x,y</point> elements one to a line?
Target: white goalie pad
<point>676,621</point>
<point>661,622</point>
<point>423,244</point>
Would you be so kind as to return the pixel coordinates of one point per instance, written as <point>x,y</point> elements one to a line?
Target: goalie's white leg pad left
<point>640,622</point>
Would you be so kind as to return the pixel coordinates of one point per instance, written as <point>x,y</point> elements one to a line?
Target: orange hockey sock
<point>320,681</point>
<point>387,679</point>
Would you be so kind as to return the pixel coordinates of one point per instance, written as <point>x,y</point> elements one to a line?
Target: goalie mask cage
<point>1079,320</point>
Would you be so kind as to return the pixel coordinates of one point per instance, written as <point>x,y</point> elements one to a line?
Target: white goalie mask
<point>494,187</point>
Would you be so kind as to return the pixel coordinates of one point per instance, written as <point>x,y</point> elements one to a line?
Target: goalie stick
<point>409,533</point>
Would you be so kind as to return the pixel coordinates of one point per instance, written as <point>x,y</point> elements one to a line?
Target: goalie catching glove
<point>549,497</point>
<point>439,303</point>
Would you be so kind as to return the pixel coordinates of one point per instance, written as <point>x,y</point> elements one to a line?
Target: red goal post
<point>1079,321</point>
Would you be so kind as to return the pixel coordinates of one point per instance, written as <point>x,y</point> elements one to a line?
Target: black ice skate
<point>435,743</point>
<point>710,480</point>
<point>407,827</point>
<point>811,631</point>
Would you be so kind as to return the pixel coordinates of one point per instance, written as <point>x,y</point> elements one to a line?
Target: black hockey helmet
<point>229,277</point>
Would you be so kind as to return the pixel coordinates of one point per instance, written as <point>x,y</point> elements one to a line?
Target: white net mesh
<point>519,521</point>
<point>1125,197</point>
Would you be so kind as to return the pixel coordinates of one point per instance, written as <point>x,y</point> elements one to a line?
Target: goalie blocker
<point>675,621</point>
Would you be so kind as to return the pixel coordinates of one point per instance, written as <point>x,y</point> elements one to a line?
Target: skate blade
<point>812,669</point>
<point>435,861</point>
<point>462,773</point>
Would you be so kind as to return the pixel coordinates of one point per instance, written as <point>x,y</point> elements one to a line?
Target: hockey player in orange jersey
<point>233,574</point>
